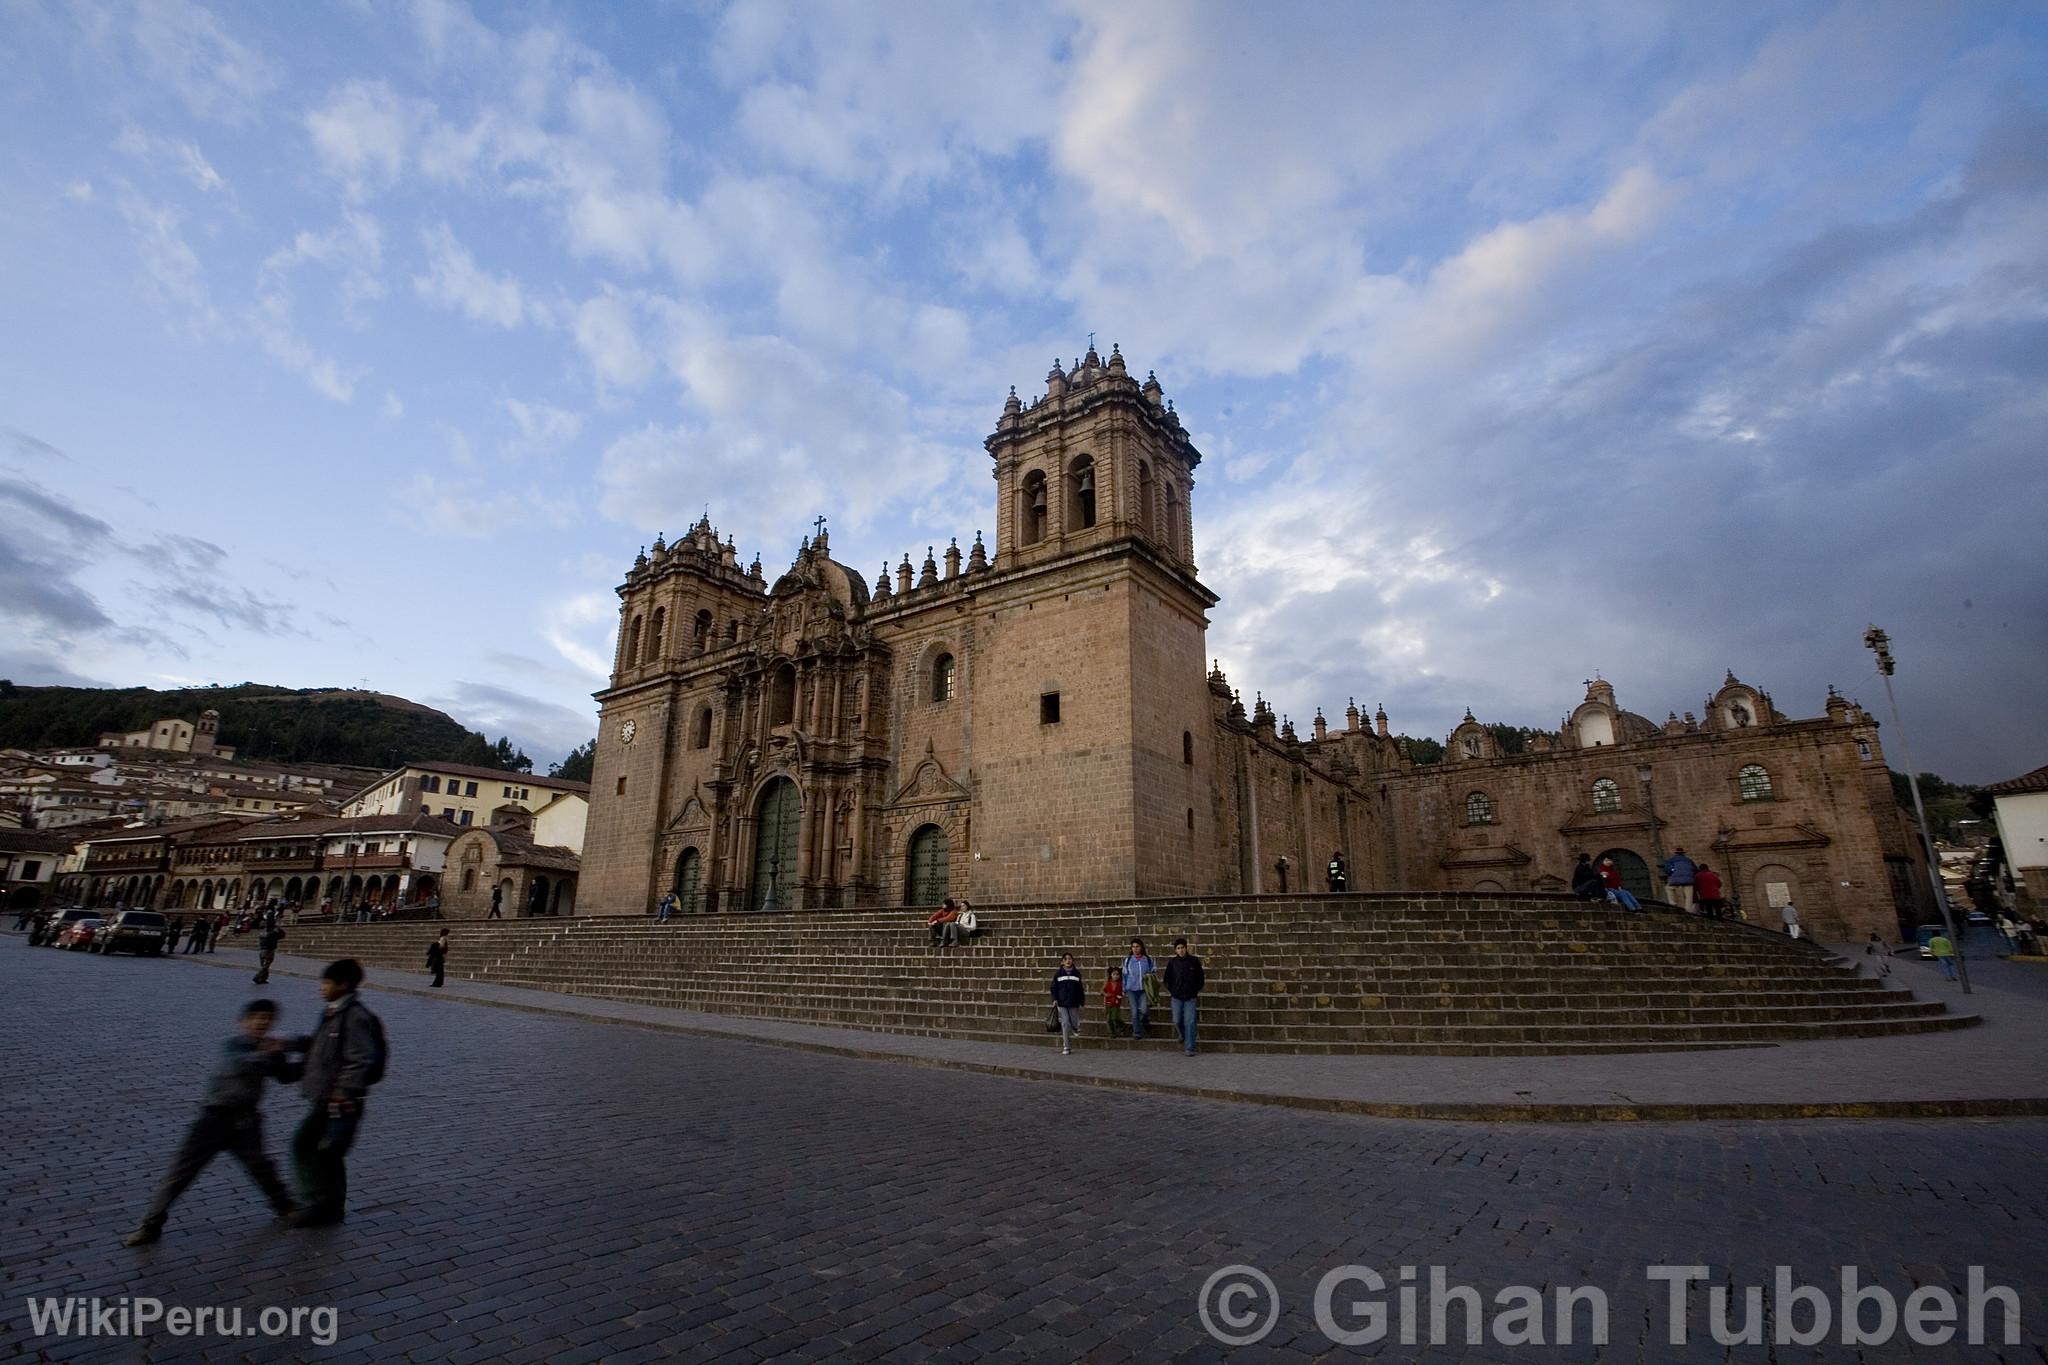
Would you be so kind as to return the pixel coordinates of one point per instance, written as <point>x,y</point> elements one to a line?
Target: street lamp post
<point>1643,775</point>
<point>1880,644</point>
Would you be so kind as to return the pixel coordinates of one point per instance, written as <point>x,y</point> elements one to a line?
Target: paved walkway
<point>1995,1068</point>
<point>557,1190</point>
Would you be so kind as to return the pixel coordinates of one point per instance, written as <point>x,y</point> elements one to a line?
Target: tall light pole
<point>1880,644</point>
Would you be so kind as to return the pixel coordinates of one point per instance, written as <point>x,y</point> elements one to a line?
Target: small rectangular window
<point>447,812</point>
<point>1049,708</point>
<point>621,789</point>
<point>471,790</point>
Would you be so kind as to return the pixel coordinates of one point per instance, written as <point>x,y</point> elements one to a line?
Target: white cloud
<point>169,263</point>
<point>609,338</point>
<point>183,157</point>
<point>394,406</point>
<point>453,279</point>
<point>542,426</point>
<point>364,133</point>
<point>582,629</point>
<point>475,508</point>
<point>187,49</point>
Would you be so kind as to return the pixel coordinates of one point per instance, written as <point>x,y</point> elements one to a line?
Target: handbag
<point>1052,1020</point>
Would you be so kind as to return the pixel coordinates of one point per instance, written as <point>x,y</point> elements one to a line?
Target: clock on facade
<point>627,729</point>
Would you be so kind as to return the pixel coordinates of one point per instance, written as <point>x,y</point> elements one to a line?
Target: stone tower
<point>1099,458</point>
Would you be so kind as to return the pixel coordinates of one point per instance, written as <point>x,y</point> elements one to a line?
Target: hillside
<point>309,725</point>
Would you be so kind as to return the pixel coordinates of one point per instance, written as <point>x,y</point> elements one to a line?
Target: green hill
<point>308,725</point>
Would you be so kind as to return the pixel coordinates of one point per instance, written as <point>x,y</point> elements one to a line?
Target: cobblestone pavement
<point>533,1188</point>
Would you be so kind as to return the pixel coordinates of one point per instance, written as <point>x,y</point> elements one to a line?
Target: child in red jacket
<point>1113,1003</point>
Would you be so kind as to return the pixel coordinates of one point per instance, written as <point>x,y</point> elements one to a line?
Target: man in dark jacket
<point>1184,982</point>
<point>1067,989</point>
<point>1586,883</point>
<point>343,1057</point>
<point>1340,875</point>
<point>266,950</point>
<point>230,1120</point>
<point>437,957</point>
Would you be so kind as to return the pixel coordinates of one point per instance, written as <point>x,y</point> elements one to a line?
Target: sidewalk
<point>1994,1069</point>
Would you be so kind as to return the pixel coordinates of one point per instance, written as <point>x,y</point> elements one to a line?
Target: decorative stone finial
<point>953,559</point>
<point>977,556</point>
<point>882,582</point>
<point>929,575</point>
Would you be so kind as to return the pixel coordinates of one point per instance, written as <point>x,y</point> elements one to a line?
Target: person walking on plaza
<point>1137,966</point>
<point>230,1120</point>
<point>220,926</point>
<point>1586,883</point>
<point>196,940</point>
<point>345,1056</point>
<point>1183,983</point>
<point>172,934</point>
<point>497,903</point>
<point>1880,954</point>
<point>1790,914</point>
<point>266,950</point>
<point>1067,990</point>
<point>437,957</point>
<point>1706,884</point>
<point>1113,1003</point>
<point>1340,875</point>
<point>1680,873</point>
<point>1944,950</point>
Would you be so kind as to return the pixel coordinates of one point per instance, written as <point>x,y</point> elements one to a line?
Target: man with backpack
<point>345,1056</point>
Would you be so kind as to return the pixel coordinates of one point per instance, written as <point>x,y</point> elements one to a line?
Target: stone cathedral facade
<point>1037,723</point>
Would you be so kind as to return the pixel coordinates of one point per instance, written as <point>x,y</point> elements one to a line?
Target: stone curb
<point>1447,1112</point>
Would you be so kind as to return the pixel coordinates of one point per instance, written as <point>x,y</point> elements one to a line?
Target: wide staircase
<point>1451,973</point>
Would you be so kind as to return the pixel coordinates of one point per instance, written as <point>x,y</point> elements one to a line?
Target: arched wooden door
<point>775,833</point>
<point>926,882</point>
<point>1635,873</point>
<point>689,877</point>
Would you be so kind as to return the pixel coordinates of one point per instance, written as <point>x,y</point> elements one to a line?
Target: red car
<point>78,934</point>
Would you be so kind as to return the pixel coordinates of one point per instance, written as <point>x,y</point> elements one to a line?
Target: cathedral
<point>1037,723</point>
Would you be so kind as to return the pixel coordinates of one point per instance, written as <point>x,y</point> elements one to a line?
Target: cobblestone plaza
<point>553,1189</point>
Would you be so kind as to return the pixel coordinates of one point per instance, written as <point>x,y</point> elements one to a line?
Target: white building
<point>2020,808</point>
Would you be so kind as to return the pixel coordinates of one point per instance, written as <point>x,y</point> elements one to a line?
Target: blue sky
<point>365,343</point>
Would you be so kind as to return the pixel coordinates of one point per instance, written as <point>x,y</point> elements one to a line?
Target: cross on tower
<point>819,525</point>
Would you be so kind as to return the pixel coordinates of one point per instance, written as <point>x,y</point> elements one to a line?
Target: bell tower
<point>1100,457</point>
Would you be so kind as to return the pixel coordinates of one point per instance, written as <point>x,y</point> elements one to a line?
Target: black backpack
<point>383,1057</point>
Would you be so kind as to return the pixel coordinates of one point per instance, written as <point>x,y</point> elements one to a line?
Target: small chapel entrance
<point>775,841</point>
<point>927,880</point>
<point>1635,873</point>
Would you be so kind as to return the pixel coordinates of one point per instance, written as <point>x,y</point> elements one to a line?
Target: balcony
<point>367,862</point>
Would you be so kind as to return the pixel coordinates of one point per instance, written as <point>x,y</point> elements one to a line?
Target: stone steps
<point>1436,974</point>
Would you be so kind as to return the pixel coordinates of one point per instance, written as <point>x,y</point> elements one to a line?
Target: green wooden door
<point>775,831</point>
<point>927,881</point>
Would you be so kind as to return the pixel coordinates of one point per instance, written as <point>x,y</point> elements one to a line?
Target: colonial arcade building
<point>1036,723</point>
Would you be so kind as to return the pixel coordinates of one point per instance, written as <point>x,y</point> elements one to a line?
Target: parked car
<point>78,933</point>
<point>64,920</point>
<point>136,931</point>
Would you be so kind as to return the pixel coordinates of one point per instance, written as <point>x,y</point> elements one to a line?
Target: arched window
<point>1145,496</point>
<point>732,630</point>
<point>926,881</point>
<point>1187,746</point>
<point>942,678</point>
<point>1081,494</point>
<point>782,695</point>
<point>702,738</point>
<point>1606,795</point>
<point>469,879</point>
<point>631,655</point>
<point>702,631</point>
<point>1031,509</point>
<point>1172,509</point>
<point>1478,809</point>
<point>1755,782</point>
<point>654,635</point>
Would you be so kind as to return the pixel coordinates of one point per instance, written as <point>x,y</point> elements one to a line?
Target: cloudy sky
<point>365,343</point>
